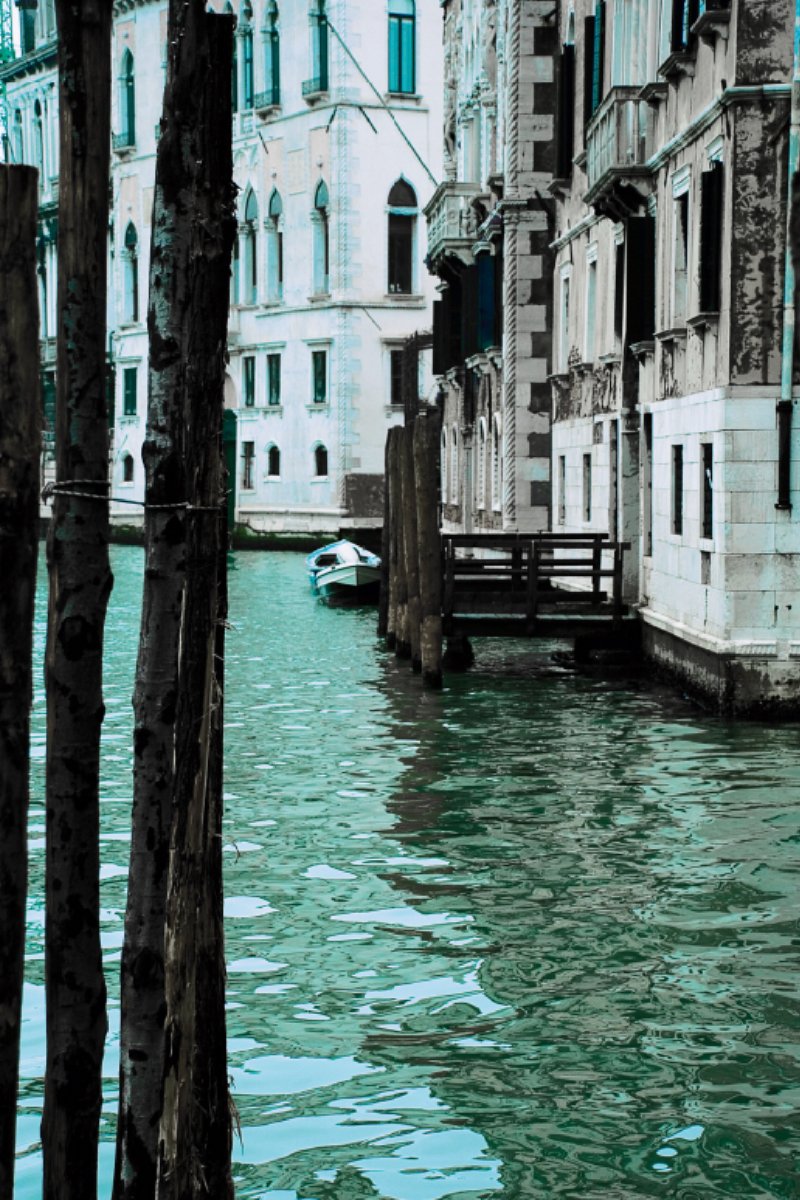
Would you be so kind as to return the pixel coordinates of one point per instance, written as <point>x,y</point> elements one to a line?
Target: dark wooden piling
<point>383,604</point>
<point>402,646</point>
<point>20,450</point>
<point>427,432</point>
<point>391,488</point>
<point>410,540</point>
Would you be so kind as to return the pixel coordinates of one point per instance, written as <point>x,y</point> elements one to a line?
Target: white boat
<point>344,572</point>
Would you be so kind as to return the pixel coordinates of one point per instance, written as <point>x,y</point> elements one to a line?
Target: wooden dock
<point>544,585</point>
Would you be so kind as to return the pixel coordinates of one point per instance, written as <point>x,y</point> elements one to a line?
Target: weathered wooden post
<point>402,646</point>
<point>411,548</point>
<point>20,451</point>
<point>383,604</point>
<point>80,584</point>
<point>427,432</point>
<point>391,551</point>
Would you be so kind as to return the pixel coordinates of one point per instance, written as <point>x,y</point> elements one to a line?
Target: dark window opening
<point>648,484</point>
<point>248,463</point>
<point>708,489</point>
<point>396,377</point>
<point>274,461</point>
<point>274,378</point>
<point>127,469</point>
<point>249,368</point>
<point>587,487</point>
<point>319,364</point>
<point>677,490</point>
<point>320,461</point>
<point>401,244</point>
<point>129,380</point>
<point>711,216</point>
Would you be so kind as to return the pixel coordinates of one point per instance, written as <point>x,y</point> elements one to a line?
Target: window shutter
<point>677,42</point>
<point>588,68</point>
<point>469,325</point>
<point>456,296</point>
<point>565,112</point>
<point>319,377</point>
<point>599,53</point>
<point>485,301</point>
<point>407,81</point>
<point>129,402</point>
<point>640,262</point>
<point>498,294</point>
<point>711,200</point>
<point>439,353</point>
<point>49,407</point>
<point>394,54</point>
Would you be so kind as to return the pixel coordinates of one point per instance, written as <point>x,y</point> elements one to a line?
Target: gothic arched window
<point>127,99</point>
<point>275,257</point>
<point>321,239</point>
<point>251,249</point>
<point>402,228</point>
<point>320,461</point>
<point>130,307</point>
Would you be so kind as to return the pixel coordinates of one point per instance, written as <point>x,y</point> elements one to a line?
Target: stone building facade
<point>672,383</point>
<point>337,148</point>
<point>490,225</point>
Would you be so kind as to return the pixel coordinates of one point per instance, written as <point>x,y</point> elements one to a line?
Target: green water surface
<point>534,936</point>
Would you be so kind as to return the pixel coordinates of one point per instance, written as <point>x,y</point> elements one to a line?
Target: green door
<point>229,442</point>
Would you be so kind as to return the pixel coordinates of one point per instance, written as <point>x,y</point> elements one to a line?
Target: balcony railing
<point>316,86</point>
<point>124,141</point>
<point>269,99</point>
<point>452,224</point>
<point>616,137</point>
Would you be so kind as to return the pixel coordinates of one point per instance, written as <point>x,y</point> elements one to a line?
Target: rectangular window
<point>401,47</point>
<point>249,370</point>
<point>248,464</point>
<point>396,377</point>
<point>647,483</point>
<point>248,70</point>
<point>562,489</point>
<point>613,479</point>
<point>711,200</point>
<point>563,340</point>
<point>280,264</point>
<point>565,112</point>
<point>274,377</point>
<point>680,259</point>
<point>129,376</point>
<point>591,307</point>
<point>677,489</point>
<point>707,466</point>
<point>619,294</point>
<point>320,53</point>
<point>319,368</point>
<point>640,279</point>
<point>587,487</point>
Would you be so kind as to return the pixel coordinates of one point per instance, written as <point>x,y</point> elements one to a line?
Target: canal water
<point>534,936</point>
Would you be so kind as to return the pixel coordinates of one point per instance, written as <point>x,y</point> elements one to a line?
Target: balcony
<point>266,103</point>
<point>616,152</point>
<point>452,220</point>
<point>123,143</point>
<point>315,89</point>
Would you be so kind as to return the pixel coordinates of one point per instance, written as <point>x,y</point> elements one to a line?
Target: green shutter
<point>599,50</point>
<point>588,68</point>
<point>407,55</point>
<point>274,367</point>
<point>394,54</point>
<point>129,384</point>
<point>319,376</point>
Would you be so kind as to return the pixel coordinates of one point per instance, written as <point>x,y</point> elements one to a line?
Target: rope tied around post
<point>68,487</point>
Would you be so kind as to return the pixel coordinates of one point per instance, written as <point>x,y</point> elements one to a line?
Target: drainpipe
<point>785,404</point>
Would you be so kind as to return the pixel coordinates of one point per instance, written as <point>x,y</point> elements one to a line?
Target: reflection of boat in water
<point>344,572</point>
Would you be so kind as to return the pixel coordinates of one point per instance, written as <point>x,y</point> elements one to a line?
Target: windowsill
<point>676,334</point>
<point>248,489</point>
<point>706,544</point>
<point>130,419</point>
<point>126,484</point>
<point>318,407</point>
<point>712,24</point>
<point>611,360</point>
<point>312,98</point>
<point>395,408</point>
<point>268,111</point>
<point>276,303</point>
<point>272,479</point>
<point>701,320</point>
<point>561,378</point>
<point>130,325</point>
<point>559,187</point>
<point>679,63</point>
<point>675,539</point>
<point>642,349</point>
<point>404,297</point>
<point>321,479</point>
<point>272,408</point>
<point>586,367</point>
<point>579,160</point>
<point>319,297</point>
<point>654,93</point>
<point>415,97</point>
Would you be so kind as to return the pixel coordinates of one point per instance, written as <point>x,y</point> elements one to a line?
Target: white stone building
<point>673,387</point>
<point>328,277</point>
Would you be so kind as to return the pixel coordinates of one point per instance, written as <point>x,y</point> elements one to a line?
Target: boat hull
<point>354,583</point>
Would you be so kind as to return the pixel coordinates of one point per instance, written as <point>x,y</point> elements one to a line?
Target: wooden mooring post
<point>427,432</point>
<point>410,543</point>
<point>402,645</point>
<point>389,578</point>
<point>383,603</point>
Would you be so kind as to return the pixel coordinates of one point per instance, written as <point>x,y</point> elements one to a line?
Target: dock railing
<point>535,571</point>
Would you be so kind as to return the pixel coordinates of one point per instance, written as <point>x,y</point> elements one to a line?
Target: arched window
<point>130,308</point>
<point>321,239</point>
<point>497,467</point>
<point>443,467</point>
<point>273,462</point>
<point>19,148</point>
<point>401,46</point>
<point>320,461</point>
<point>482,464</point>
<point>402,223</point>
<point>127,468</point>
<point>272,57</point>
<point>275,256</point>
<point>127,99</point>
<point>38,141</point>
<point>251,249</point>
<point>41,254</point>
<point>247,52</point>
<point>454,466</point>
